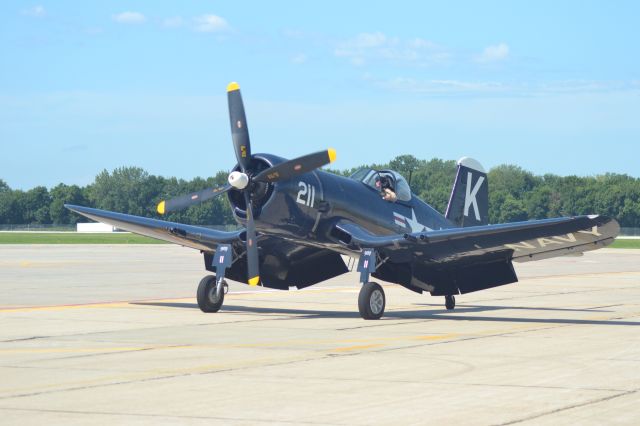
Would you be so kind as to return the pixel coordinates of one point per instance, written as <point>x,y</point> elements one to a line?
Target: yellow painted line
<point>316,342</point>
<point>357,347</point>
<point>169,372</point>
<point>65,307</point>
<point>139,303</point>
<point>436,337</point>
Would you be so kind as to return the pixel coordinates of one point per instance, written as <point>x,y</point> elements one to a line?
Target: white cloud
<point>360,46</point>
<point>418,43</point>
<point>129,18</point>
<point>494,53</point>
<point>441,86</point>
<point>366,47</point>
<point>210,24</point>
<point>454,87</point>
<point>366,40</point>
<point>358,61</point>
<point>173,22</point>
<point>35,11</point>
<point>300,58</point>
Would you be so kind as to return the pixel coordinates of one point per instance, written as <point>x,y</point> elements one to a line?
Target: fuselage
<point>307,208</point>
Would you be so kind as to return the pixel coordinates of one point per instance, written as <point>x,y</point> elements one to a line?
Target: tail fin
<point>469,201</point>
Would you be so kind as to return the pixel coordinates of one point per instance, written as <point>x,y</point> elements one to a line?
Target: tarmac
<point>98,334</point>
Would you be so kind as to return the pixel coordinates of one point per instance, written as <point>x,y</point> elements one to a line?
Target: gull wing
<point>196,237</point>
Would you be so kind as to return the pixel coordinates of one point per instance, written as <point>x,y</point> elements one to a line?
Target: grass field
<point>127,238</point>
<point>630,244</point>
<point>74,238</point>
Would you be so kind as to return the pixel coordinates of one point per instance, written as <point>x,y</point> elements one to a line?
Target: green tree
<point>34,205</point>
<point>512,179</point>
<point>61,195</point>
<point>128,190</point>
<point>514,194</point>
<point>10,212</point>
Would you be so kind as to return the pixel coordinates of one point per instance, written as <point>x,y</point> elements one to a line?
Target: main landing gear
<point>371,301</point>
<point>212,288</point>
<point>211,293</point>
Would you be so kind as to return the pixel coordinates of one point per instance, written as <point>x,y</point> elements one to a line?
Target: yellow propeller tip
<point>254,280</point>
<point>161,207</point>
<point>332,154</point>
<point>233,86</point>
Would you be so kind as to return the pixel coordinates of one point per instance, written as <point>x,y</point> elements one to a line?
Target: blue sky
<point>553,87</point>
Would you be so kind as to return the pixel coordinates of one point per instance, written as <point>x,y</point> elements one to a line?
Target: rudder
<point>469,200</point>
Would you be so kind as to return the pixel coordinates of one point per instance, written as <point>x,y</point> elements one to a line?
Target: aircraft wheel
<point>450,302</point>
<point>371,301</point>
<point>207,296</point>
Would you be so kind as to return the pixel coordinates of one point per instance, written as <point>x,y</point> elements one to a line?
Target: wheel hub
<point>213,294</point>
<point>376,302</point>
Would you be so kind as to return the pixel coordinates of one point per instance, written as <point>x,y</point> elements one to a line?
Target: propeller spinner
<point>242,180</point>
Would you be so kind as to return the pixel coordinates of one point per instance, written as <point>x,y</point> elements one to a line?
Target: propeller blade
<point>253,272</point>
<point>184,201</point>
<point>239,130</point>
<point>297,166</point>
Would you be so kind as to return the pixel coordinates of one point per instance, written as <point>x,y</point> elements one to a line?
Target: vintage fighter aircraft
<point>299,222</point>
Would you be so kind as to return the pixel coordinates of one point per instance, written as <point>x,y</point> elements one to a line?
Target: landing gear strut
<point>212,288</point>
<point>450,302</point>
<point>371,300</point>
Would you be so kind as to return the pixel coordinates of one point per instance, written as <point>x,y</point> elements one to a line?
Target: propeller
<point>297,166</point>
<point>188,200</point>
<point>253,272</point>
<point>239,129</point>
<point>242,180</point>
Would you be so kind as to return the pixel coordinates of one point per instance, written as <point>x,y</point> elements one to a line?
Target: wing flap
<point>196,237</point>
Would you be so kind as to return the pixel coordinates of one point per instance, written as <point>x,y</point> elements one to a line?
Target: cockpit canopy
<point>372,178</point>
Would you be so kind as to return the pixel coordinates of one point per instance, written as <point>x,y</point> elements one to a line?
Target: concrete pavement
<point>112,334</point>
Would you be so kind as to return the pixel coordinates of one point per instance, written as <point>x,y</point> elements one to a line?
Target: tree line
<point>514,194</point>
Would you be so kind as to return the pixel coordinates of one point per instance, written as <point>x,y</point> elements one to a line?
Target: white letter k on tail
<point>470,196</point>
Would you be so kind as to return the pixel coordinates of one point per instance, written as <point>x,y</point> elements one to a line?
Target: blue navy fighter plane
<point>300,222</point>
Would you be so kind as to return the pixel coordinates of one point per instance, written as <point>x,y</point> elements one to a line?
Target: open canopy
<point>369,177</point>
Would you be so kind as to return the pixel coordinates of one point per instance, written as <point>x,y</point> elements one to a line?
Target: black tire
<point>208,300</point>
<point>371,301</point>
<point>450,302</point>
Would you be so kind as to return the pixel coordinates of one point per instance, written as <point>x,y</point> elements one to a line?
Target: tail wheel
<point>207,295</point>
<point>371,301</point>
<point>450,302</point>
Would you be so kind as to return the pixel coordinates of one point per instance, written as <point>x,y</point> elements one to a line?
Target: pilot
<point>385,185</point>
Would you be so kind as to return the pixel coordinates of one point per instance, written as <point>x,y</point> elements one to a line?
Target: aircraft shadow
<point>440,314</point>
<point>491,308</point>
